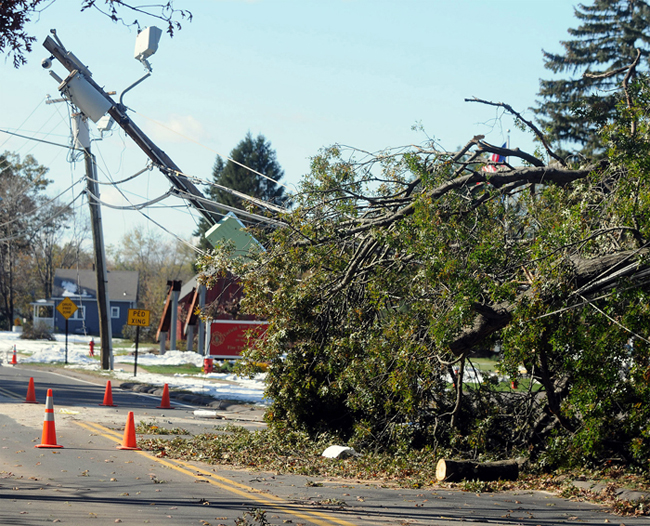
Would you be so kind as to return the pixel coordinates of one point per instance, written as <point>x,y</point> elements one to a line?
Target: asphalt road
<point>89,481</point>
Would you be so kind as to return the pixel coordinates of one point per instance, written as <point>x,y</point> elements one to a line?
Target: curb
<point>181,396</point>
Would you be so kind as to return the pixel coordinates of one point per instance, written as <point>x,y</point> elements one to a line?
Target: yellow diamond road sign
<point>67,308</point>
<point>138,317</point>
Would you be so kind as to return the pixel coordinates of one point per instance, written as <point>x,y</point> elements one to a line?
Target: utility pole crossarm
<point>210,212</point>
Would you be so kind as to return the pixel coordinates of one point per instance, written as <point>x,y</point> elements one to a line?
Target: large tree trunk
<point>592,276</point>
<point>457,470</point>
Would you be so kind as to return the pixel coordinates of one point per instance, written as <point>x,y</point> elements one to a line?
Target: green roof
<point>231,228</point>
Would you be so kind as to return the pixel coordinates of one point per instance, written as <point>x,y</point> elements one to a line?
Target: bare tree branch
<point>528,123</point>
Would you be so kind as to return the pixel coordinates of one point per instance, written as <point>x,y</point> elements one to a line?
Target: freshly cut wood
<point>457,470</point>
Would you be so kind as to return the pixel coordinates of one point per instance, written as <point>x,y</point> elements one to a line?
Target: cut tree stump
<point>457,470</point>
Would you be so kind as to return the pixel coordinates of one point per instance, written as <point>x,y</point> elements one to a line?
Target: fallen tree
<point>394,268</point>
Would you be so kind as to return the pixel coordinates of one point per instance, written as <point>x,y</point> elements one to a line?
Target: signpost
<point>66,308</point>
<point>139,318</point>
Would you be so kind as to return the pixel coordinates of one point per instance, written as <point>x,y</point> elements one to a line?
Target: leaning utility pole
<point>81,142</point>
<point>103,301</point>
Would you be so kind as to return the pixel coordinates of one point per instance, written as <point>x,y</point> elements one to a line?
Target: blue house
<point>81,287</point>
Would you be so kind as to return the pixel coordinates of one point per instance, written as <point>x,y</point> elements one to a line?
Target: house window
<point>115,312</point>
<point>79,314</point>
<point>43,311</point>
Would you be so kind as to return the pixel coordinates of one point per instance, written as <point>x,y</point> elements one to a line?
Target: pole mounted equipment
<point>146,44</point>
<point>91,99</point>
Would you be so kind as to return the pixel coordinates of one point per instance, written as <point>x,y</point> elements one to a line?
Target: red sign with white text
<point>229,337</point>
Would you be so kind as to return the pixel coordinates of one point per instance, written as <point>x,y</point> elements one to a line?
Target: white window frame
<point>115,312</point>
<point>79,314</point>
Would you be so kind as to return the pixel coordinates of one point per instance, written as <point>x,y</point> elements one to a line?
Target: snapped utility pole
<point>93,102</point>
<point>87,90</point>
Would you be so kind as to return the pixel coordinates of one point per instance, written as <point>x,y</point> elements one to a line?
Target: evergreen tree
<point>610,33</point>
<point>251,155</point>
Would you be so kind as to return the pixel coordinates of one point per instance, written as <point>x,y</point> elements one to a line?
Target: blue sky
<point>306,74</point>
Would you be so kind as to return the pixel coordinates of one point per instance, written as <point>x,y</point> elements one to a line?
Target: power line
<point>254,200</point>
<point>40,140</point>
<point>238,211</point>
<point>26,119</point>
<point>130,178</point>
<point>45,221</point>
<point>186,196</point>
<point>213,151</point>
<point>194,248</point>
<point>139,210</point>
<point>42,206</point>
<point>140,206</point>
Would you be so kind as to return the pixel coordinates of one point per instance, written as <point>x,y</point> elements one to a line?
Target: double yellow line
<point>264,499</point>
<point>10,394</point>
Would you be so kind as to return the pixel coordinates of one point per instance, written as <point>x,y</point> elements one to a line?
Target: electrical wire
<point>591,304</point>
<point>32,138</point>
<point>130,178</point>
<point>45,221</point>
<point>254,200</point>
<point>199,251</point>
<point>183,195</point>
<point>42,206</point>
<point>40,140</point>
<point>140,206</point>
<point>186,195</point>
<point>26,119</point>
<point>54,126</point>
<point>212,150</point>
<point>195,249</point>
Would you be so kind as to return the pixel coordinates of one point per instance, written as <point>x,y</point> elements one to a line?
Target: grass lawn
<point>172,369</point>
<point>523,384</point>
<point>484,364</point>
<point>489,365</point>
<point>124,346</point>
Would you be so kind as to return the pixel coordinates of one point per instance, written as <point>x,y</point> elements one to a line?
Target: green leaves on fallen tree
<point>394,268</point>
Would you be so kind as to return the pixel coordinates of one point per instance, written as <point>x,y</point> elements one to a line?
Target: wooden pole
<point>66,341</point>
<point>103,302</point>
<point>137,341</point>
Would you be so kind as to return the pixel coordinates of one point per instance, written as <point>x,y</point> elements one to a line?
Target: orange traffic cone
<point>49,433</point>
<point>13,358</point>
<point>164,404</point>
<point>31,394</point>
<point>108,395</point>
<point>128,442</point>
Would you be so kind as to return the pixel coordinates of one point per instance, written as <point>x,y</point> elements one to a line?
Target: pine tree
<point>251,155</point>
<point>610,33</point>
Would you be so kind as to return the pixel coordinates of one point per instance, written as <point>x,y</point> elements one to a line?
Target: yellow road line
<point>10,394</point>
<point>248,492</point>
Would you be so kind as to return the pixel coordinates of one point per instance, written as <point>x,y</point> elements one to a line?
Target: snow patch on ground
<point>224,386</point>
